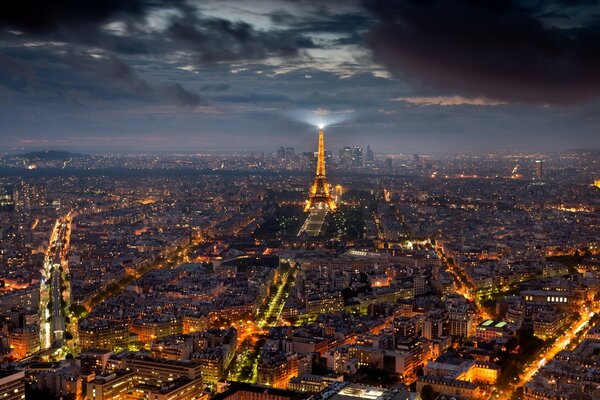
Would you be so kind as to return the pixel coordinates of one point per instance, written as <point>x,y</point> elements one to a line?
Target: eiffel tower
<point>319,196</point>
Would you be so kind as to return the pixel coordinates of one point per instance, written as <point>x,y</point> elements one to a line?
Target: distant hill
<point>49,155</point>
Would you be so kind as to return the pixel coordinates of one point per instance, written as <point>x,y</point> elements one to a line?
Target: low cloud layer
<point>448,101</point>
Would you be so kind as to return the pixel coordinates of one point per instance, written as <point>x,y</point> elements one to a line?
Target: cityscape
<point>299,249</point>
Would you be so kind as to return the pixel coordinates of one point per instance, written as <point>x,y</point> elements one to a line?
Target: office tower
<point>539,169</point>
<point>370,157</point>
<point>357,157</point>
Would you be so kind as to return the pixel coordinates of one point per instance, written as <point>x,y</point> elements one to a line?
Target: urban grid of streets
<point>52,334</point>
<point>55,296</point>
<point>380,212</point>
<point>560,343</point>
<point>246,359</point>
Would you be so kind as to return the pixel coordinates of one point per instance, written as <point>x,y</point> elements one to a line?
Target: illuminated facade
<point>324,304</point>
<point>132,385</point>
<point>110,386</point>
<point>12,385</point>
<point>277,369</point>
<point>192,323</point>
<point>23,342</point>
<point>313,383</point>
<point>157,372</point>
<point>150,329</point>
<point>450,387</point>
<point>103,334</point>
<point>320,196</point>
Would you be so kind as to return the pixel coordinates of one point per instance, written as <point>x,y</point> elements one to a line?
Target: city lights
<point>299,200</point>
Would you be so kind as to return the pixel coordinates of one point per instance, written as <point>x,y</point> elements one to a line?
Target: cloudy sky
<point>401,75</point>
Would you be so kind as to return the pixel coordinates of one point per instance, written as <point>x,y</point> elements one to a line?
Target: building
<point>546,297</point>
<point>449,386</point>
<point>367,356</point>
<point>12,385</point>
<point>461,322</point>
<point>549,325</point>
<point>388,166</point>
<point>313,383</point>
<point>213,362</point>
<point>194,323</point>
<point>245,391</point>
<point>24,341</point>
<point>62,379</point>
<point>345,155</point>
<point>357,157</point>
<point>95,360</point>
<point>154,328</point>
<point>103,334</point>
<point>146,378</point>
<point>434,324</point>
<point>110,386</point>
<point>178,347</point>
<point>156,372</point>
<point>409,356</point>
<point>407,326</point>
<point>370,157</point>
<point>276,368</point>
<point>451,366</point>
<point>493,330</point>
<point>26,298</point>
<point>348,391</point>
<point>180,389</point>
<point>325,304</point>
<point>539,169</point>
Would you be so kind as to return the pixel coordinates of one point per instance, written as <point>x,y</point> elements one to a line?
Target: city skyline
<point>201,276</point>
<point>170,76</point>
<point>300,200</point>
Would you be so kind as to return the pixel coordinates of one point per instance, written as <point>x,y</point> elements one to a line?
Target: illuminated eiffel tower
<point>319,196</point>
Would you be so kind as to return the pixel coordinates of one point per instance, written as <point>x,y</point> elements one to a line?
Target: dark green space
<point>284,221</point>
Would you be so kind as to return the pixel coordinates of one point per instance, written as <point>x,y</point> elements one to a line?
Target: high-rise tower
<point>539,169</point>
<point>319,196</point>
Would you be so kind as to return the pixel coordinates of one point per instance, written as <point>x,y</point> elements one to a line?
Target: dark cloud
<point>211,39</point>
<point>348,27</point>
<point>184,31</point>
<point>216,87</point>
<point>78,75</point>
<point>497,48</point>
<point>92,70</point>
<point>80,24</point>
<point>216,40</point>
<point>43,16</point>
<point>184,97</point>
<point>15,70</point>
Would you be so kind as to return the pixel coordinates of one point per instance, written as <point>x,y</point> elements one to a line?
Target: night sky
<point>421,76</point>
